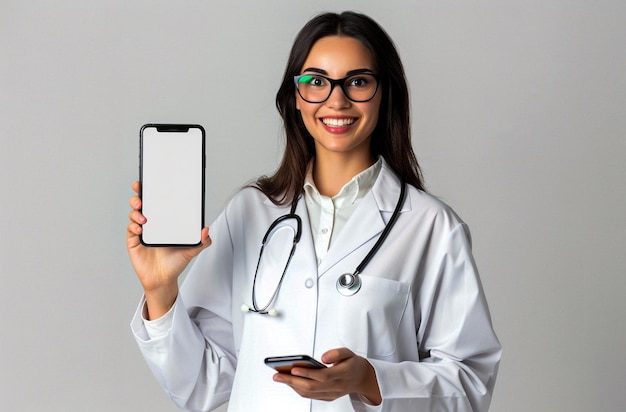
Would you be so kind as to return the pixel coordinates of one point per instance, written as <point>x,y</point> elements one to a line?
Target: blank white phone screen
<point>172,185</point>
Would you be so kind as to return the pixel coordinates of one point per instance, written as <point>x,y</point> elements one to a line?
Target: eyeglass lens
<point>317,88</point>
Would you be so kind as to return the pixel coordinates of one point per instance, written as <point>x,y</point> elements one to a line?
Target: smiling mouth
<point>338,122</point>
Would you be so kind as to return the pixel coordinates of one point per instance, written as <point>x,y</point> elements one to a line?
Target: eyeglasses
<point>316,88</point>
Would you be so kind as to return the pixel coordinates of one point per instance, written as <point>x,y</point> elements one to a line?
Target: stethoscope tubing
<point>255,306</point>
<point>383,236</point>
<point>291,215</point>
<point>348,284</point>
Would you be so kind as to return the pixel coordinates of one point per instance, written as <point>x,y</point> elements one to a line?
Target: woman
<point>412,333</point>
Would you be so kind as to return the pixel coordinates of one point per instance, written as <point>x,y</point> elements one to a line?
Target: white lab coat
<point>420,318</point>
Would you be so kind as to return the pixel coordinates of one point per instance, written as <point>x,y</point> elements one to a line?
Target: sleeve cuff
<point>160,327</point>
<point>362,404</point>
<point>146,330</point>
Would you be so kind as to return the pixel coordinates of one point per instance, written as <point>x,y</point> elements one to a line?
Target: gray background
<point>518,121</point>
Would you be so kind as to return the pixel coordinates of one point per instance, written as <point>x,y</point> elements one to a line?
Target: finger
<point>337,355</point>
<point>300,382</point>
<point>135,202</point>
<point>136,186</point>
<point>320,375</point>
<point>132,236</point>
<point>309,388</point>
<point>322,396</point>
<point>206,239</point>
<point>133,230</point>
<point>136,217</point>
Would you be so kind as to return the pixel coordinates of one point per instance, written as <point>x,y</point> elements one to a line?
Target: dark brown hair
<point>391,138</point>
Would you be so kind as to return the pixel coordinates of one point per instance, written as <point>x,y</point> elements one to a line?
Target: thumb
<point>337,355</point>
<point>206,242</point>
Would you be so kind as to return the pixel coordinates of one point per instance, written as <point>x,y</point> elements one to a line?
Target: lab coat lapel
<point>365,223</point>
<point>367,220</point>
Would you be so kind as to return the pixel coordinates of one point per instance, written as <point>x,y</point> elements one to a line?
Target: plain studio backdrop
<point>519,121</point>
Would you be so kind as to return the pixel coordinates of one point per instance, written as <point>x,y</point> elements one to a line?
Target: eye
<point>312,80</point>
<point>359,82</point>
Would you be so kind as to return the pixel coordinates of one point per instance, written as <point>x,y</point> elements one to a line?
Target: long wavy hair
<point>391,137</point>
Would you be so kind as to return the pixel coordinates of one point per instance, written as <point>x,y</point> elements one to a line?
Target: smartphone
<point>284,364</point>
<point>171,175</point>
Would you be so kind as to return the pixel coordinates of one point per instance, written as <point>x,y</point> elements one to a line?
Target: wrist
<point>160,301</point>
<point>371,390</point>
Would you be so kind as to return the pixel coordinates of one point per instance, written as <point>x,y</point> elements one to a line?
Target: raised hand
<point>157,268</point>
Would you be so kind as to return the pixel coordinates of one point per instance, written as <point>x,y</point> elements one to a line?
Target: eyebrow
<point>349,73</point>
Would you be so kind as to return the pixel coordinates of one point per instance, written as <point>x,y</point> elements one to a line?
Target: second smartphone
<point>284,364</point>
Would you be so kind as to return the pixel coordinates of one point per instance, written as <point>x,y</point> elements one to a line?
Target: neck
<point>332,172</point>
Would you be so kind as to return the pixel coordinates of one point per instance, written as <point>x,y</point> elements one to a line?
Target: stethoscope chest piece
<point>348,284</point>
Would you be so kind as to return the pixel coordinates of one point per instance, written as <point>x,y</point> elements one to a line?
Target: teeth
<point>337,122</point>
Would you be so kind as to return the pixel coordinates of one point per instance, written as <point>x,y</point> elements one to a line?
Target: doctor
<point>408,331</point>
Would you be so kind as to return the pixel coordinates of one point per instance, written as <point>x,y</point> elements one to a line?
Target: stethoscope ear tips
<point>245,308</point>
<point>272,312</point>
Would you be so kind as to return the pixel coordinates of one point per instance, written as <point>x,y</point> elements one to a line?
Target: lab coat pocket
<point>369,320</point>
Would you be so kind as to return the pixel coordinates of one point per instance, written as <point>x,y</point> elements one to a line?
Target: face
<point>339,125</point>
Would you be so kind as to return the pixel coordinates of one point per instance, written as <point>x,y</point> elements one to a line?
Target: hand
<point>348,374</point>
<point>158,268</point>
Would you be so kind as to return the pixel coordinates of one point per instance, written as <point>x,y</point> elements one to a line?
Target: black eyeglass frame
<point>335,82</point>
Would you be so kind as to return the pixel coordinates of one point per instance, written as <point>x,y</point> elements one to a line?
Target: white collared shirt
<point>329,215</point>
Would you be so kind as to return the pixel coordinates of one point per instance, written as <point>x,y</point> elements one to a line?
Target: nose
<point>337,98</point>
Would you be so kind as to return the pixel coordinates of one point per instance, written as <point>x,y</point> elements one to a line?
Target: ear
<point>297,101</point>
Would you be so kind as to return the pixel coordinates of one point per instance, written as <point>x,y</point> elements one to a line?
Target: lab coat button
<point>324,231</point>
<point>309,283</point>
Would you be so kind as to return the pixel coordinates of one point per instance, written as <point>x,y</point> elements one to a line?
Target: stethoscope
<point>347,284</point>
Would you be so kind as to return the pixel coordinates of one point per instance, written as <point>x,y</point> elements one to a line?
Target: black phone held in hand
<point>171,176</point>
<point>284,364</point>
